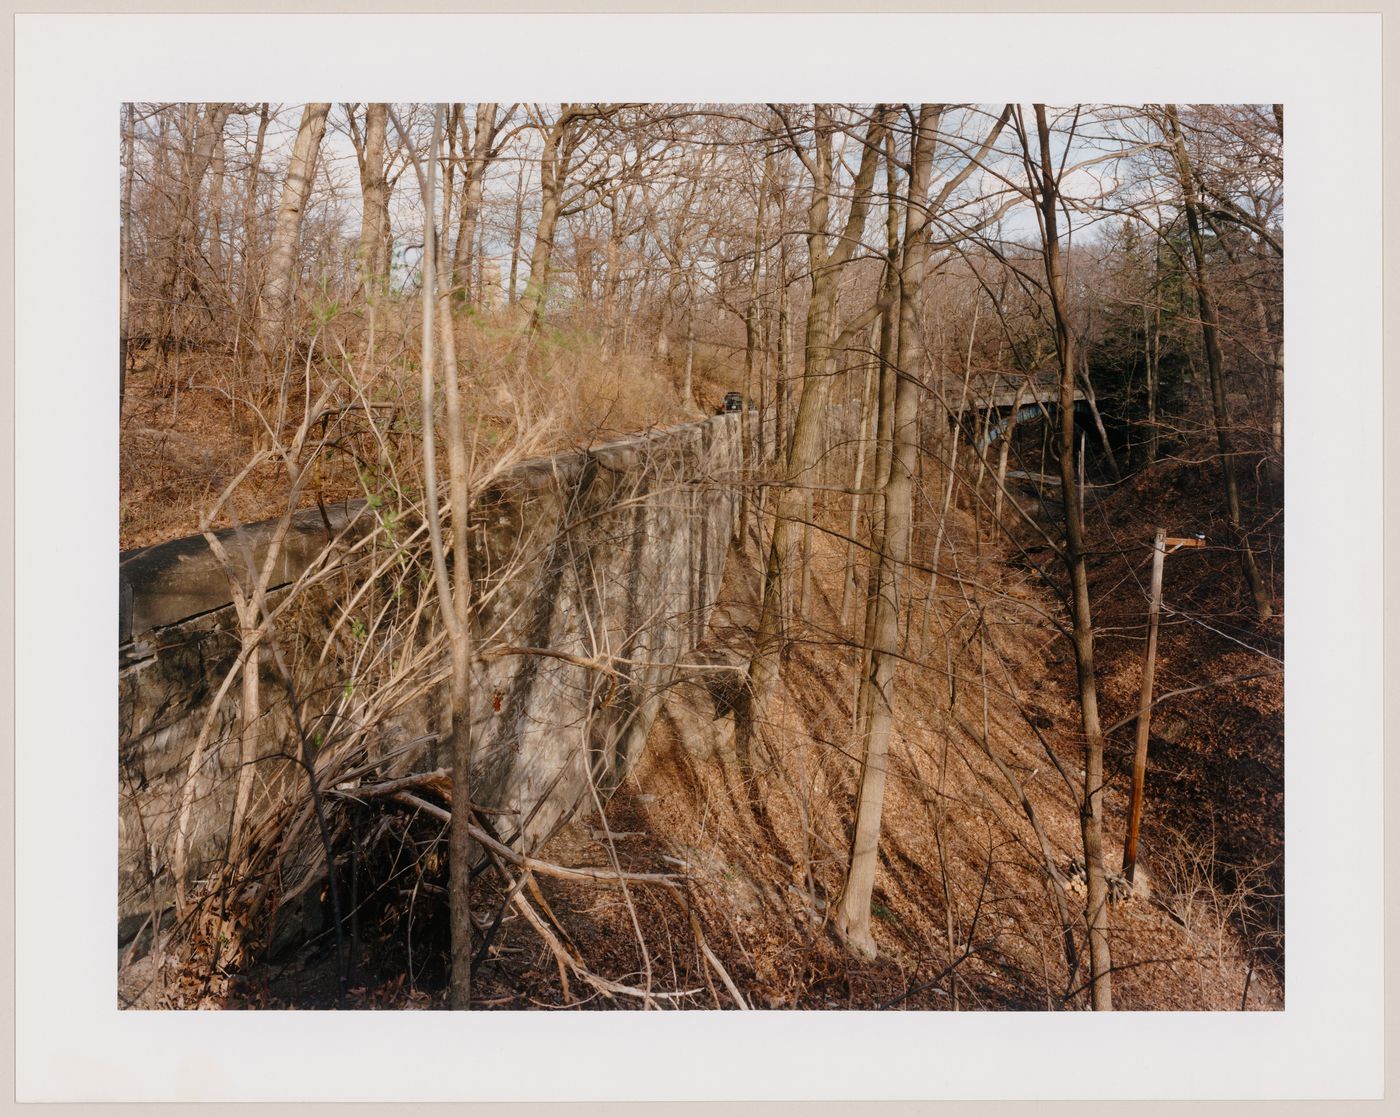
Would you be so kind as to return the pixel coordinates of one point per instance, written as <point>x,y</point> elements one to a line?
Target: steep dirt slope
<point>1213,826</point>
<point>965,906</point>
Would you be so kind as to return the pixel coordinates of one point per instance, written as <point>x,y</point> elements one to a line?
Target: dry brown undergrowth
<point>187,431</point>
<point>961,883</point>
<point>964,907</point>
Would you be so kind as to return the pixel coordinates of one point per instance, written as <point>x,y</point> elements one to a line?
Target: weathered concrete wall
<point>614,555</point>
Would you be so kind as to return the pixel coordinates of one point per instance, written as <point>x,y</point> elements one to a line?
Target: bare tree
<point>562,139</point>
<point>827,259</point>
<point>1210,333</point>
<point>480,145</point>
<point>453,589</point>
<point>852,918</point>
<point>250,241</point>
<point>926,313</point>
<point>279,289</point>
<point>370,154</point>
<point>1045,184</point>
<point>180,279</point>
<point>128,179</point>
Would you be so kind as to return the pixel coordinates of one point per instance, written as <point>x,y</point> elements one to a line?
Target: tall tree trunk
<point>1276,417</point>
<point>1263,607</point>
<point>865,431</point>
<point>950,489</point>
<point>1272,360</point>
<point>453,590</point>
<point>1152,346</point>
<point>478,262</point>
<point>279,287</point>
<point>752,338</point>
<point>780,387</point>
<point>248,281</point>
<point>372,253</point>
<point>216,211</point>
<point>750,352</point>
<point>514,294</point>
<point>1007,436</point>
<point>124,294</point>
<point>1275,465</point>
<point>554,165</point>
<point>689,392</point>
<point>1091,802</point>
<point>826,263</point>
<point>478,149</point>
<point>612,280</point>
<point>250,723</point>
<point>456,121</point>
<point>891,288</point>
<point>461,847</point>
<point>180,280</point>
<point>852,919</point>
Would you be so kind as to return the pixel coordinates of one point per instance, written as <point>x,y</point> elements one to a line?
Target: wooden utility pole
<point>1149,669</point>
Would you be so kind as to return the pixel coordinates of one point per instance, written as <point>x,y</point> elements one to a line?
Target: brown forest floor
<point>1215,786</point>
<point>964,916</point>
<point>963,913</point>
<point>186,433</point>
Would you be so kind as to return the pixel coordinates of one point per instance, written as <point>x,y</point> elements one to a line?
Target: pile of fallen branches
<point>371,836</point>
<point>517,875</point>
<point>323,848</point>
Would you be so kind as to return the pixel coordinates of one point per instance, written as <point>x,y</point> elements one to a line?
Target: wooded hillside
<point>988,710</point>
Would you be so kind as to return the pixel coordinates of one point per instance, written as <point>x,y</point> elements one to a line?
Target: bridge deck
<point>1000,393</point>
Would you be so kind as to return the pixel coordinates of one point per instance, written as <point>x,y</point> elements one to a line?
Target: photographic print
<point>701,556</point>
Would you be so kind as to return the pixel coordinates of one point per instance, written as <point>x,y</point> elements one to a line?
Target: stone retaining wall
<point>614,554</point>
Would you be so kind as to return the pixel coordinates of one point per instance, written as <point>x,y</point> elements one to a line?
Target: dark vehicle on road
<point>733,401</point>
